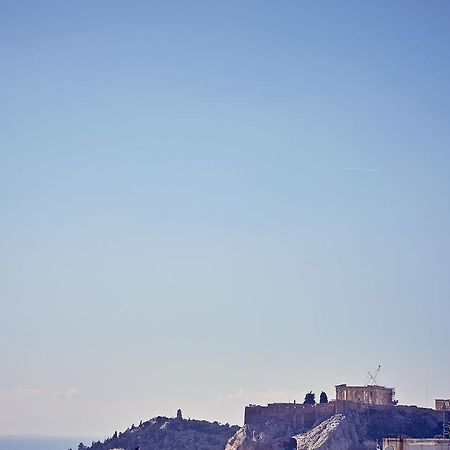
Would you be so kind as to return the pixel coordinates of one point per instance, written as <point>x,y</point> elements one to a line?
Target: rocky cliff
<point>336,433</point>
<point>359,427</point>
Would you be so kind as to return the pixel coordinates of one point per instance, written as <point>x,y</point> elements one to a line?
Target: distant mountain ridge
<point>163,433</point>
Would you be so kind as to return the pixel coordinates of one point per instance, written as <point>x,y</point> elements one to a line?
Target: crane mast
<point>373,378</point>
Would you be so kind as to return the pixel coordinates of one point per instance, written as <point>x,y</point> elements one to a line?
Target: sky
<point>207,204</point>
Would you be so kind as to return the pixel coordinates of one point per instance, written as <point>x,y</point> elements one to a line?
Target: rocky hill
<point>335,433</point>
<point>162,433</point>
<point>358,428</point>
<point>343,426</point>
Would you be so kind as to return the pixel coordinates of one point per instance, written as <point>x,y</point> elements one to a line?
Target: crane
<point>373,378</point>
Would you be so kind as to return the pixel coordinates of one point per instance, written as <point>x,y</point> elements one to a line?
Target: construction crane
<point>373,378</point>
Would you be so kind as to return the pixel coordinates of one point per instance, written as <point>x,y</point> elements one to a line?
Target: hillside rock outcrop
<point>248,438</point>
<point>336,433</point>
<point>162,433</point>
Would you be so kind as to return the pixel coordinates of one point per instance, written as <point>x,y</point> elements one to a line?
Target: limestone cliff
<point>359,427</point>
<point>336,433</point>
<point>271,438</point>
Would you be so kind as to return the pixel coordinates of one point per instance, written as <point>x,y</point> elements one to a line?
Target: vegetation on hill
<point>162,433</point>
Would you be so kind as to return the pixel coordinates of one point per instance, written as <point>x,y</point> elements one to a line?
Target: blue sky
<point>205,204</point>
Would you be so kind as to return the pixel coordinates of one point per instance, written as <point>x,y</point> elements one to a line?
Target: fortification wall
<point>301,418</point>
<point>298,416</point>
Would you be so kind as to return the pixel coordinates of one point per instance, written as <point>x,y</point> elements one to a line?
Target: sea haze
<point>40,442</point>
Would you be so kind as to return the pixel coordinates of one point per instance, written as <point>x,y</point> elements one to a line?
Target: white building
<point>416,444</point>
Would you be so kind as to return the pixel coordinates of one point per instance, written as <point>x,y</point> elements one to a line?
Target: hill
<point>163,433</point>
<point>357,427</point>
<point>338,425</point>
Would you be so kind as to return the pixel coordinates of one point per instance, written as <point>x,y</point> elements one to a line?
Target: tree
<point>310,398</point>
<point>323,397</point>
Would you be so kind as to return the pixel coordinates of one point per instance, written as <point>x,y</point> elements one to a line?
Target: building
<point>416,444</point>
<point>441,404</point>
<point>370,395</point>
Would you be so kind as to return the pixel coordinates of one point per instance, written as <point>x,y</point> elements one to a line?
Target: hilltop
<point>357,424</point>
<point>163,433</point>
<point>340,425</point>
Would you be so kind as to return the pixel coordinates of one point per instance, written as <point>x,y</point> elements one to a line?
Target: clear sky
<point>210,203</point>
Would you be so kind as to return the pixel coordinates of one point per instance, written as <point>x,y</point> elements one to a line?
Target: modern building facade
<point>416,444</point>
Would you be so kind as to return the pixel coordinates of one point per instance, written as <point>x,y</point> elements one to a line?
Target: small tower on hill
<point>179,415</point>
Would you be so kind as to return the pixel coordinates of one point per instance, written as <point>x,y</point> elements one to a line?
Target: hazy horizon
<point>209,204</point>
